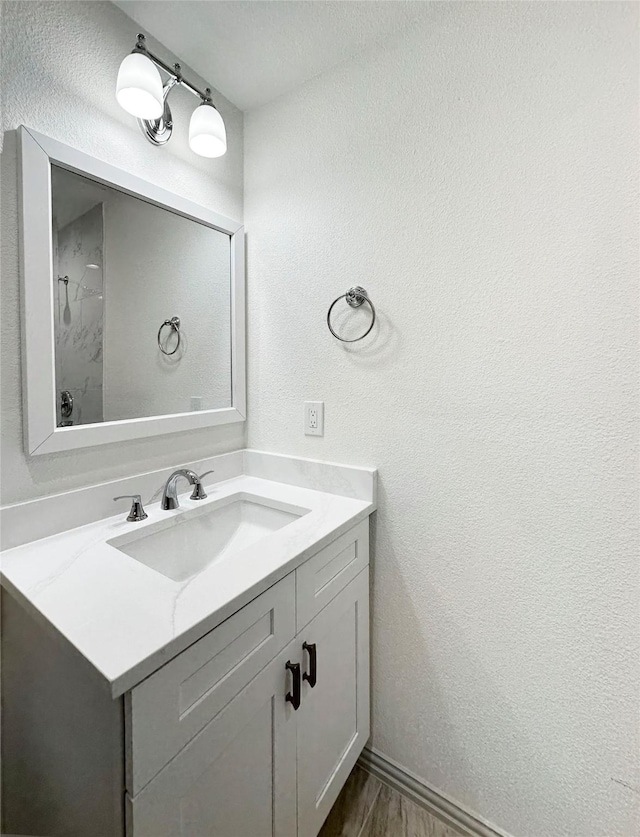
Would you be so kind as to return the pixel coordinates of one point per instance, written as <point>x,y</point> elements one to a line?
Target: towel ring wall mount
<point>355,297</point>
<point>174,325</point>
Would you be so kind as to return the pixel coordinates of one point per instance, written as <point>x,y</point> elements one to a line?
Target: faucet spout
<point>170,493</point>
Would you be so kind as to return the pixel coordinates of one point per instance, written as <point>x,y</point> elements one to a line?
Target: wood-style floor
<point>368,808</point>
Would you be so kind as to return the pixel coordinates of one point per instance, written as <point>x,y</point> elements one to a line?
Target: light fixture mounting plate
<point>158,131</point>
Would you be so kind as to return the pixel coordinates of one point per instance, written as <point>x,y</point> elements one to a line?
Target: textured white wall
<point>478,176</point>
<point>59,65</point>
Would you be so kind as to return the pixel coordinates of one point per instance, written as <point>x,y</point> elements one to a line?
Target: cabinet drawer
<point>322,577</point>
<point>170,707</point>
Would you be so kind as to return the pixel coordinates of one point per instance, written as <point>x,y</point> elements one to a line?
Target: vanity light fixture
<point>140,91</point>
<point>207,135</point>
<point>139,87</point>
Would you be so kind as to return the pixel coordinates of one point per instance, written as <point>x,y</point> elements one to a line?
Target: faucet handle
<point>137,513</point>
<point>198,492</point>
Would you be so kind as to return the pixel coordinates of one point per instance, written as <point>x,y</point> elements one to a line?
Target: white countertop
<point>127,619</point>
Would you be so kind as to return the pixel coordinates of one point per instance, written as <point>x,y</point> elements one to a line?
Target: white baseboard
<point>418,791</point>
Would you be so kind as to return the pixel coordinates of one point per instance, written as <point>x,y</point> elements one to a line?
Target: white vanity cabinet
<point>251,731</point>
<point>215,747</point>
<point>261,767</point>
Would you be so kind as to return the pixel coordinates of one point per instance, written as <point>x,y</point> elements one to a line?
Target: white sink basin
<point>187,544</point>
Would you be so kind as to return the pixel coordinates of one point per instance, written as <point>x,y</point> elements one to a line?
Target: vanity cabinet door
<point>165,711</point>
<point>333,720</point>
<point>237,777</point>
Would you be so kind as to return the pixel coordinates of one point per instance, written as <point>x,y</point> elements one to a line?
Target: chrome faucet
<point>170,493</point>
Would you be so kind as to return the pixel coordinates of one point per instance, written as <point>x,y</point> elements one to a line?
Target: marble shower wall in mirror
<point>78,312</point>
<point>121,267</point>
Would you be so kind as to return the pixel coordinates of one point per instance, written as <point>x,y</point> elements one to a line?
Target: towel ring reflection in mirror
<point>174,325</point>
<point>355,297</point>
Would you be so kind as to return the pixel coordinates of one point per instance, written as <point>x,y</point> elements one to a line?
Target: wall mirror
<point>133,305</point>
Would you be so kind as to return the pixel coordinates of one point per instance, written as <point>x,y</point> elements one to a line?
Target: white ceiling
<point>255,50</point>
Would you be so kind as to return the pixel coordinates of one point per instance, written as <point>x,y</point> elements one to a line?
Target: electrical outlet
<point>314,418</point>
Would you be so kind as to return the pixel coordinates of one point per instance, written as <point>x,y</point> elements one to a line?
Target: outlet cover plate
<point>314,418</point>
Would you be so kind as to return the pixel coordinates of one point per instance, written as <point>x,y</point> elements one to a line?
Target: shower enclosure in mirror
<point>133,304</point>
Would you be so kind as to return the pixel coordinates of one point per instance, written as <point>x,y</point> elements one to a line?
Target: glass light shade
<point>207,135</point>
<point>139,87</point>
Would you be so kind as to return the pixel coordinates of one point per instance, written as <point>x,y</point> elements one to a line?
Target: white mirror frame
<point>37,153</point>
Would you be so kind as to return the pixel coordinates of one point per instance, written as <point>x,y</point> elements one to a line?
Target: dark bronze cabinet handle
<point>294,699</point>
<point>311,677</point>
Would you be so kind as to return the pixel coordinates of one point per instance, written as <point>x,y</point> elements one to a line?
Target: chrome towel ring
<point>355,297</point>
<point>174,325</point>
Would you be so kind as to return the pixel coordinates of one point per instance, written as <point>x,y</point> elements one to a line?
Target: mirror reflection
<point>142,306</point>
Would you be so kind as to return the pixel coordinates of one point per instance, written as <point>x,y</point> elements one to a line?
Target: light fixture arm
<point>158,131</point>
<point>174,72</point>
